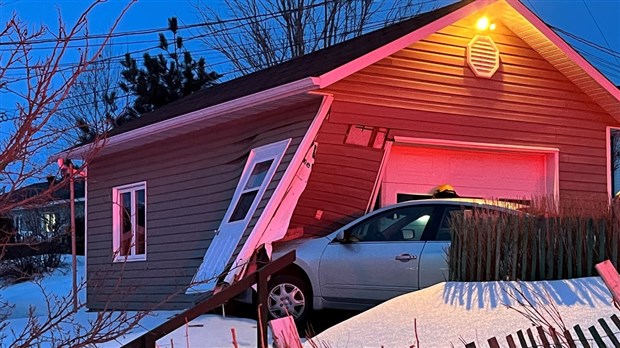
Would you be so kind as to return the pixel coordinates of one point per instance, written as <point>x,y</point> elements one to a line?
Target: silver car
<point>386,253</point>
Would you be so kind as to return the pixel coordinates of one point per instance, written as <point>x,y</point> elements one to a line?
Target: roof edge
<point>407,40</point>
<point>293,88</point>
<point>565,47</point>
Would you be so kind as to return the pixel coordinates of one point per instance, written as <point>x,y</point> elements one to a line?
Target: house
<point>42,214</point>
<point>479,94</point>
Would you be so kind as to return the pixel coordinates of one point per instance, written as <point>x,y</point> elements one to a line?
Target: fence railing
<point>258,277</point>
<point>601,335</point>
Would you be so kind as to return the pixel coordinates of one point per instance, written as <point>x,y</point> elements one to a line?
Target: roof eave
<point>298,87</point>
<point>575,57</point>
<point>407,40</point>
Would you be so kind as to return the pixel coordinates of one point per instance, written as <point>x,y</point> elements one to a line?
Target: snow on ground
<point>447,313</point>
<point>206,331</point>
<point>450,313</point>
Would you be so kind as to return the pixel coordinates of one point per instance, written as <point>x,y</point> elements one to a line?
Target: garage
<point>475,170</point>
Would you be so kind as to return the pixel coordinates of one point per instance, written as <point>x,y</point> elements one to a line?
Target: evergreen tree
<point>164,78</point>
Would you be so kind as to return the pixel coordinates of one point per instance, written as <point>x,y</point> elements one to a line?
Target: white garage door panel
<point>486,174</point>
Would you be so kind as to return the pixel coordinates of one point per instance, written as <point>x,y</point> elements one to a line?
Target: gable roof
<point>329,65</point>
<point>312,64</point>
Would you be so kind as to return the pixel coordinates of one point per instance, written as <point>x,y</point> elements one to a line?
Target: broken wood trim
<point>259,277</point>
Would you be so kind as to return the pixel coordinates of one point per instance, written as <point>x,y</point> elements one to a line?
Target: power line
<point>599,28</point>
<point>609,67</point>
<point>181,27</point>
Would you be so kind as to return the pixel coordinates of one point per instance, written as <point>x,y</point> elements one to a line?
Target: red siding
<point>428,91</point>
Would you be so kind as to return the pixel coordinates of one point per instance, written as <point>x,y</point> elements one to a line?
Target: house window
<point>129,222</point>
<point>49,221</point>
<point>17,223</point>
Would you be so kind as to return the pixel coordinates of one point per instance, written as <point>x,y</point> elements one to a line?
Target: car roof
<point>477,202</point>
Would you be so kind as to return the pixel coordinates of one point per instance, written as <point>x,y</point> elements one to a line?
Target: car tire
<point>288,294</point>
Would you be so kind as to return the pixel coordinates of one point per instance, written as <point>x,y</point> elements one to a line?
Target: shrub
<point>29,267</point>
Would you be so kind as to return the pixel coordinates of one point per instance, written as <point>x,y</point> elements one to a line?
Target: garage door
<point>413,170</point>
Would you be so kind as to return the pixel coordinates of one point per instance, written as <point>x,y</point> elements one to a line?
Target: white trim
<point>116,215</point>
<point>375,190</point>
<point>250,244</point>
<point>474,145</point>
<point>565,47</point>
<point>263,97</point>
<point>610,171</point>
<point>227,238</point>
<point>270,152</point>
<point>85,275</point>
<point>400,43</point>
<point>552,153</point>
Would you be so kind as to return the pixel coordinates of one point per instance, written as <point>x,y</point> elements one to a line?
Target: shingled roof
<point>309,65</point>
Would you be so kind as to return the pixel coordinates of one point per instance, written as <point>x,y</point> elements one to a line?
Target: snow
<point>445,314</point>
<point>453,313</point>
<point>206,331</point>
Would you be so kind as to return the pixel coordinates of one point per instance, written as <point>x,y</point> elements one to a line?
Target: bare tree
<point>38,82</point>
<point>92,100</point>
<point>267,32</point>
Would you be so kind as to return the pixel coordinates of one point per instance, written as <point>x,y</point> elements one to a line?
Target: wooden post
<point>73,238</point>
<point>263,294</point>
<point>610,276</point>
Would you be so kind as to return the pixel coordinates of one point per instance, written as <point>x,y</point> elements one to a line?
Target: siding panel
<point>190,181</point>
<point>428,91</point>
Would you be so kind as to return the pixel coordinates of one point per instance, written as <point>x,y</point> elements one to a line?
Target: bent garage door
<point>476,170</point>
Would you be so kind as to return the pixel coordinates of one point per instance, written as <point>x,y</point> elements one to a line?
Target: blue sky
<point>594,20</point>
<point>597,21</point>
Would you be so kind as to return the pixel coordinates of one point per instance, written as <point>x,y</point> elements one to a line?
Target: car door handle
<point>405,257</point>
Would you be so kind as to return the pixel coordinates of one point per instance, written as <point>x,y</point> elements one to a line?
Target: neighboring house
<point>45,214</point>
<point>191,190</point>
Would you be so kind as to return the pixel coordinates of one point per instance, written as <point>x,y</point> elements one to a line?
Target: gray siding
<point>190,182</point>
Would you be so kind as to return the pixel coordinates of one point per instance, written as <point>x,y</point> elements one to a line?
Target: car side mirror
<point>343,237</point>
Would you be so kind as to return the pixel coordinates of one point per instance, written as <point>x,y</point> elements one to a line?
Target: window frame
<point>49,219</point>
<point>611,182</point>
<point>271,152</point>
<point>117,218</point>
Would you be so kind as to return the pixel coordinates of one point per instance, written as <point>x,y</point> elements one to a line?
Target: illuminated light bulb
<point>492,26</point>
<point>483,23</point>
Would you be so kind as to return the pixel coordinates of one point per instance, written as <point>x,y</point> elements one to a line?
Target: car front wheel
<point>289,295</point>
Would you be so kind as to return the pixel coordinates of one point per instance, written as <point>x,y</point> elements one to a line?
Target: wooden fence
<point>603,335</point>
<point>492,246</point>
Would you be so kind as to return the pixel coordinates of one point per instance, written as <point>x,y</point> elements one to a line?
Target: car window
<point>444,233</point>
<point>402,224</point>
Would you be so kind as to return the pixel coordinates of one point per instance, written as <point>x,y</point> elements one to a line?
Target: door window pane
<point>258,175</point>
<point>403,224</point>
<point>140,222</point>
<point>243,206</point>
<point>125,223</point>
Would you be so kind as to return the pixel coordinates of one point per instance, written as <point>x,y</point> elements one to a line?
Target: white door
<point>259,169</point>
<point>416,170</point>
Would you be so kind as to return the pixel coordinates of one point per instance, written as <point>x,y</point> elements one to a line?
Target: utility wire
<point>599,28</point>
<point>260,17</point>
